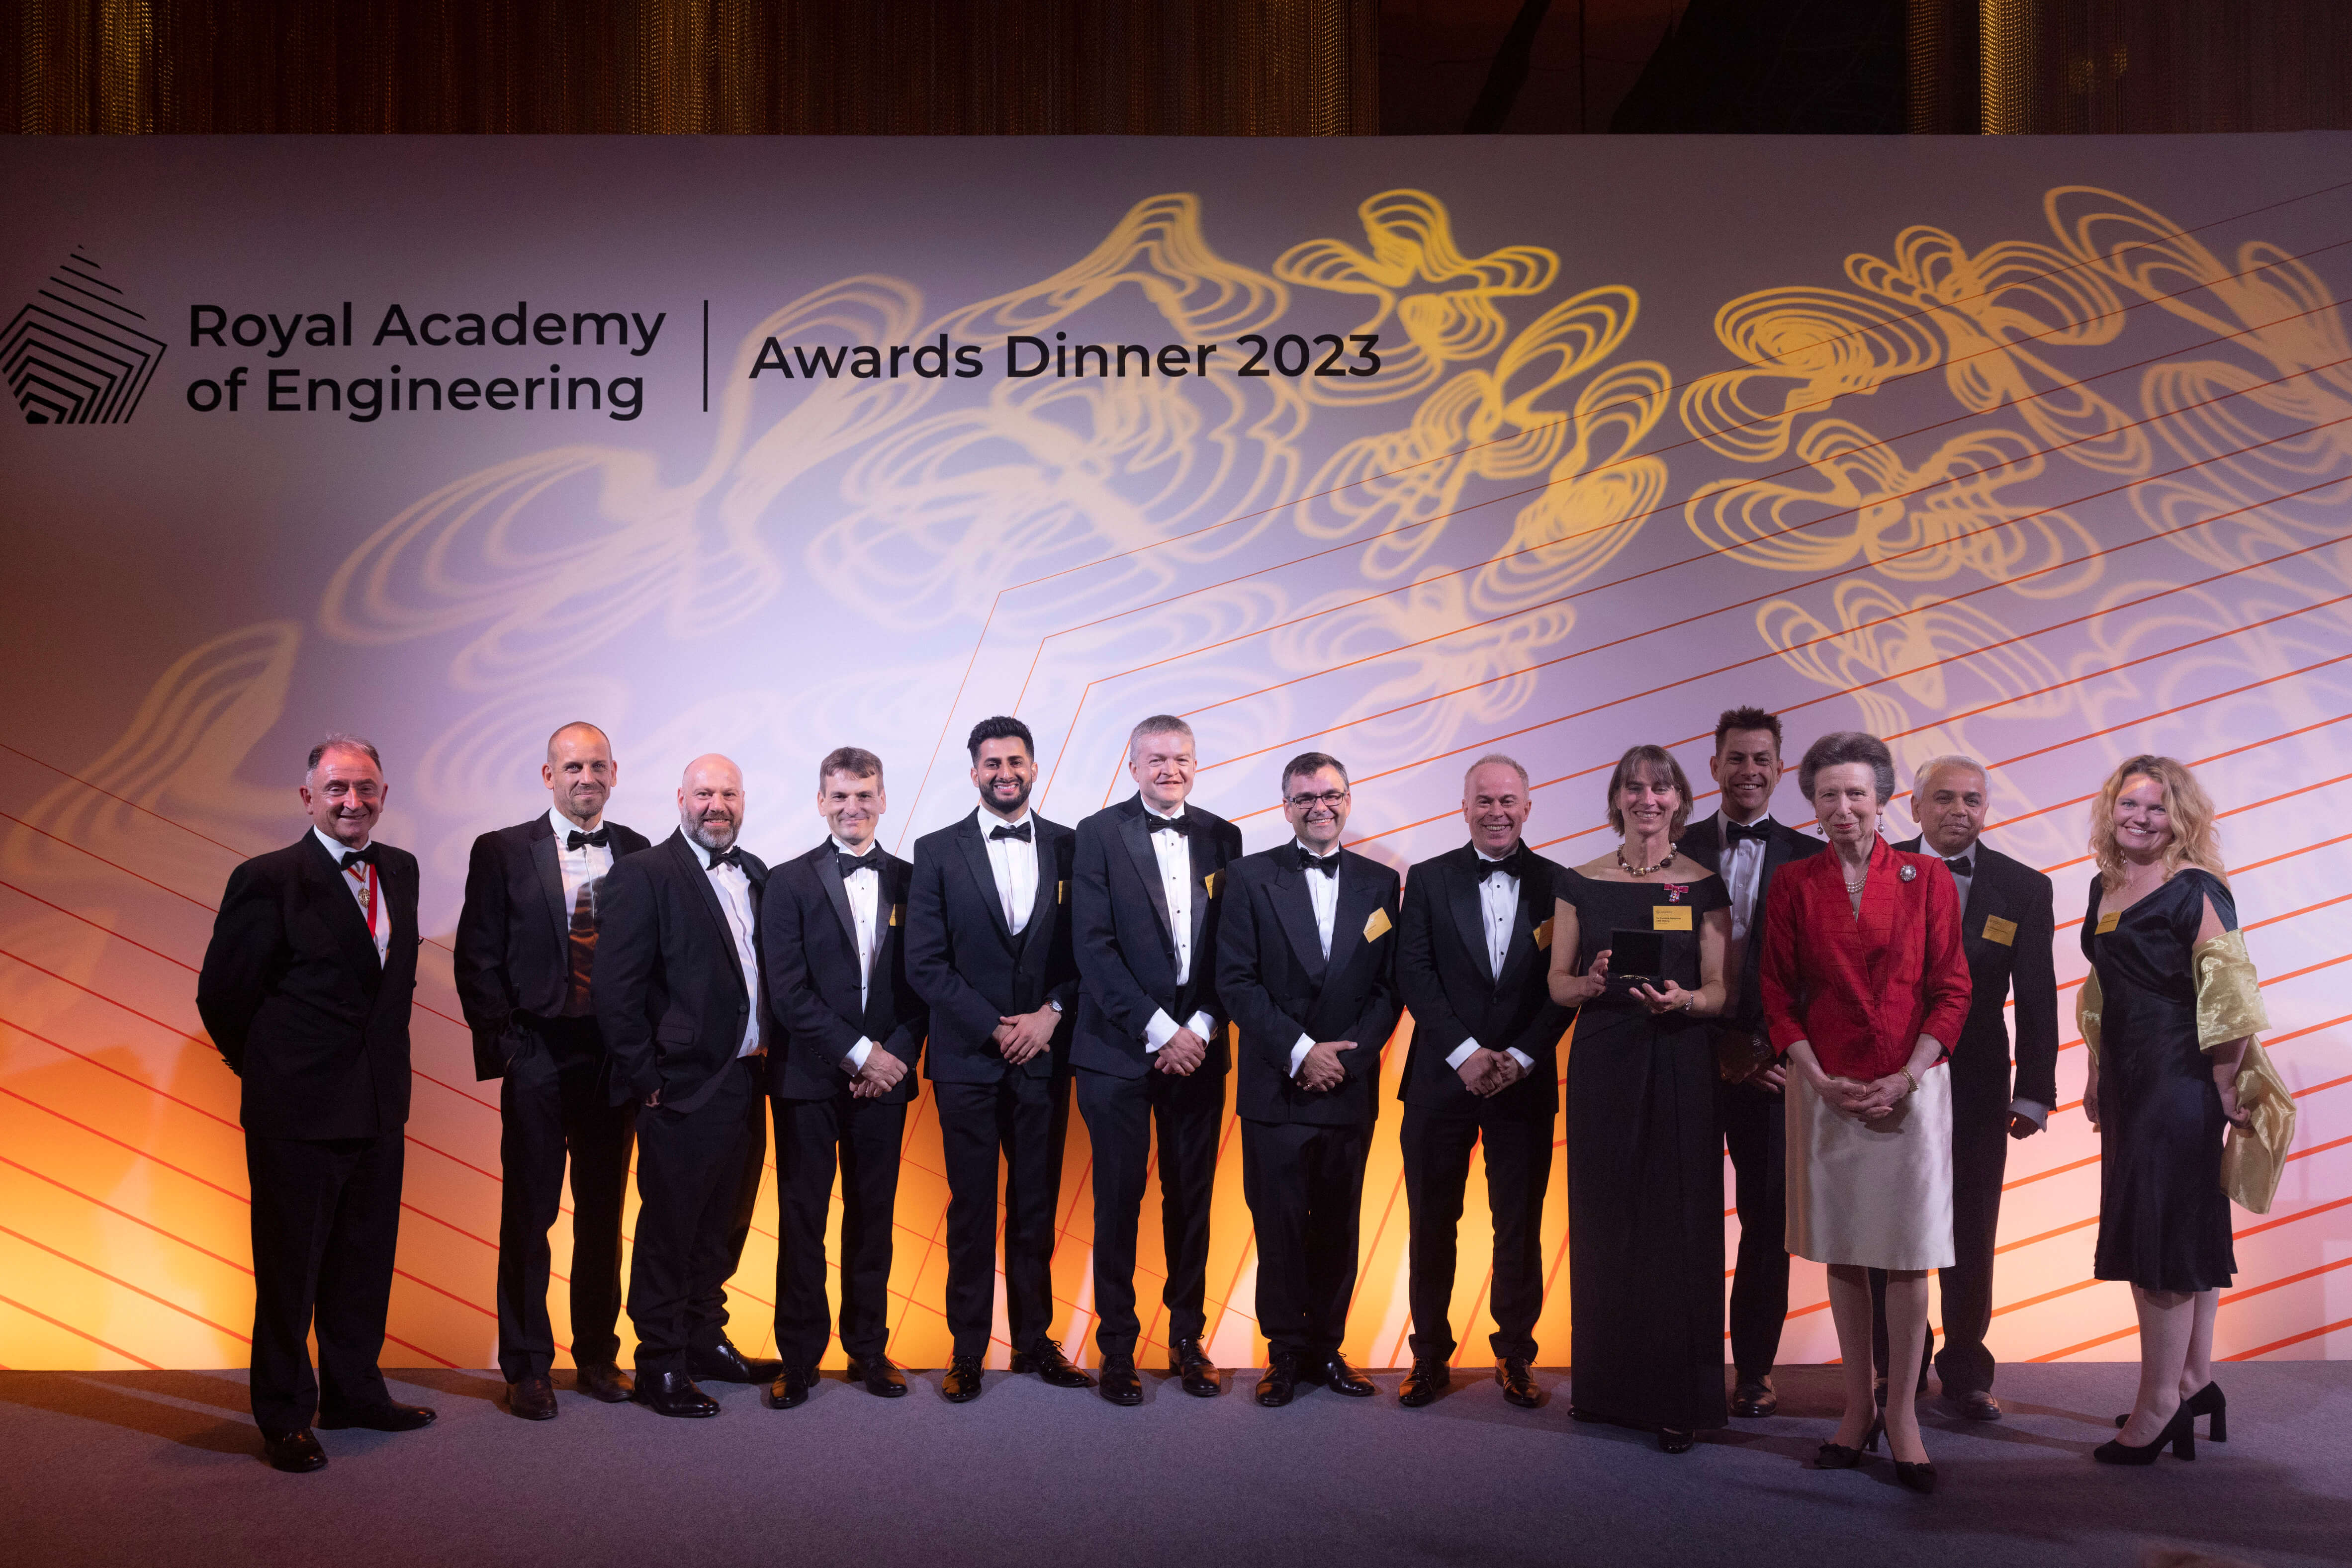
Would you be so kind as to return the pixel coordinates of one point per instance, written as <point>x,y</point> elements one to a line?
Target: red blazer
<point>1862,991</point>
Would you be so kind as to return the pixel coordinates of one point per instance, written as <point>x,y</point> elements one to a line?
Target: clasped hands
<point>1020,1036</point>
<point>878,1076</point>
<point>1184,1052</point>
<point>1489,1072</point>
<point>1873,1101</point>
<point>1320,1069</point>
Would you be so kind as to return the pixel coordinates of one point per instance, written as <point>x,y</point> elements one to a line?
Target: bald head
<point>710,801</point>
<point>580,773</point>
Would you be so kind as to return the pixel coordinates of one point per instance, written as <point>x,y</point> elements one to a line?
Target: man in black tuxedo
<point>2006,926</point>
<point>1472,957</point>
<point>679,1000</point>
<point>1743,845</point>
<point>834,925</point>
<point>305,990</point>
<point>1149,1049</point>
<point>525,951</point>
<point>988,948</point>
<point>1304,966</point>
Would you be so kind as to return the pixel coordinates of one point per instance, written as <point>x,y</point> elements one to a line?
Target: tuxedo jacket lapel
<point>699,874</point>
<point>1296,909</point>
<point>1355,906</point>
<point>343,913</point>
<point>983,875</point>
<point>1198,852</point>
<point>828,876</point>
<point>1523,932</point>
<point>545,860</point>
<point>1048,895</point>
<point>1462,897</point>
<point>1133,832</point>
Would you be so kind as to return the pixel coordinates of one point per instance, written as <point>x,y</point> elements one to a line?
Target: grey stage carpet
<point>141,1470</point>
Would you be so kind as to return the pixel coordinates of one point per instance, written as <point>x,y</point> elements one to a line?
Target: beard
<point>988,797</point>
<point>712,833</point>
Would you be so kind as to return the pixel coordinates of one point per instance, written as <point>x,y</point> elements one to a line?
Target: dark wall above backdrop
<point>1174,67</point>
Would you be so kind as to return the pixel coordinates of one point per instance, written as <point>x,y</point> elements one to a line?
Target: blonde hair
<point>2195,841</point>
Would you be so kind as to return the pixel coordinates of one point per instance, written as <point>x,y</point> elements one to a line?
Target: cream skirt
<point>1875,1195</point>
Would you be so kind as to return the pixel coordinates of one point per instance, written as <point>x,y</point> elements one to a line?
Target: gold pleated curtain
<point>1190,68</point>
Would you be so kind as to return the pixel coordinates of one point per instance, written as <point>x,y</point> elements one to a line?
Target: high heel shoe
<point>2180,1432</point>
<point>2206,1401</point>
<point>1920,1477</point>
<point>1838,1456</point>
<point>1675,1440</point>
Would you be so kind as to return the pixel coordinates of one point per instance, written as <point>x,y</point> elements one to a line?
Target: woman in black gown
<point>1644,1155</point>
<point>2161,935</point>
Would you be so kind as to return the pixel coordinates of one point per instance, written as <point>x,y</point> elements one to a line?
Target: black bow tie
<point>1328,864</point>
<point>576,838</point>
<point>1001,831</point>
<point>1964,866</point>
<point>1176,824</point>
<point>1759,829</point>
<point>359,857</point>
<point>1508,866</point>
<point>733,857</point>
<point>851,864</point>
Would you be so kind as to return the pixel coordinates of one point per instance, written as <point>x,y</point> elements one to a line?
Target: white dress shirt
<point>1741,866</point>
<point>865,891</point>
<point>1015,865</point>
<point>1498,907</point>
<point>1174,853</point>
<point>361,880</point>
<point>735,897</point>
<point>1323,892</point>
<point>2033,1110</point>
<point>582,869</point>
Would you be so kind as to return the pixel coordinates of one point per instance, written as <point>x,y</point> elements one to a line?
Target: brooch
<point>1675,891</point>
<point>1907,872</point>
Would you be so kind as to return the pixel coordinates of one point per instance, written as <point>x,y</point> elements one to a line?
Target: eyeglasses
<point>1306,802</point>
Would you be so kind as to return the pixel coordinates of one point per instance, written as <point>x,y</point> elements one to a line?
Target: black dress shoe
<point>1675,1440</point>
<point>296,1453</point>
<point>879,1374</point>
<point>1119,1384</point>
<point>722,1362</point>
<point>672,1393</point>
<point>961,1383</point>
<point>1753,1398</point>
<point>388,1417</point>
<point>1189,1361</point>
<point>790,1389</point>
<point>1045,1359</point>
<point>1976,1404</point>
<point>1518,1382</point>
<point>1341,1378</point>
<point>533,1399</point>
<point>1280,1381</point>
<point>602,1381</point>
<point>1424,1382</point>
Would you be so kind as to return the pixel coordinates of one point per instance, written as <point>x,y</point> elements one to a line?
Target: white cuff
<point>859,1052</point>
<point>1159,1032</point>
<point>1461,1053</point>
<point>1299,1053</point>
<point>1526,1063</point>
<point>2033,1110</point>
<point>1202,1025</point>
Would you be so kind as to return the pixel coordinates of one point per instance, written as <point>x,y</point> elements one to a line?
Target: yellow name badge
<point>2107,922</point>
<point>1376,925</point>
<point>1061,892</point>
<point>1543,938</point>
<point>1670,917</point>
<point>894,912</point>
<point>1999,930</point>
<point>1214,882</point>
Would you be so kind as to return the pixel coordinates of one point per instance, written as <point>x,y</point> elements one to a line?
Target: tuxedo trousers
<point>1015,1126</point>
<point>326,1224</point>
<point>553,1105</point>
<point>861,1139</point>
<point>698,1176</point>
<point>1305,1190</point>
<point>1980,1101</point>
<point>1755,1131</point>
<point>1187,1112</point>
<point>1436,1144</point>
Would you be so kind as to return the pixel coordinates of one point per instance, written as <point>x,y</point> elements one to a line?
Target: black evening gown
<point>1645,1180</point>
<point>2164,1221</point>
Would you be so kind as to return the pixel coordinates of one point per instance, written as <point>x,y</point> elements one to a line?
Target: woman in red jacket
<point>1865,986</point>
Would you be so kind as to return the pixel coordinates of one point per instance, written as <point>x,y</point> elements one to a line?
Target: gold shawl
<point>2229,1006</point>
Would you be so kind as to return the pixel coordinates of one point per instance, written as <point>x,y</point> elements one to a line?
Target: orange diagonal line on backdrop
<point>126,1214</point>
<point>125,1284</point>
<point>2291,1339</point>
<point>79,1334</point>
<point>1632,577</point>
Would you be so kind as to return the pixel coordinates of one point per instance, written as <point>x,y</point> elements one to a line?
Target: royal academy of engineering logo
<point>75,354</point>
